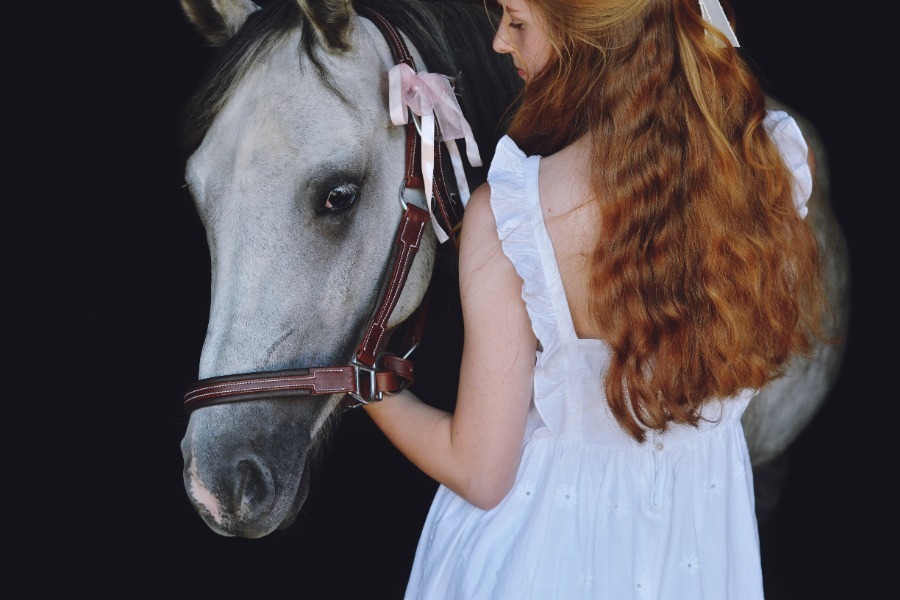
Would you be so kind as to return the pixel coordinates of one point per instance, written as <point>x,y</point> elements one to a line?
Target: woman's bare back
<point>571,214</point>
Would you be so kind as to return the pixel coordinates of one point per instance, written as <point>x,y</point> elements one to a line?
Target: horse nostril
<point>255,491</point>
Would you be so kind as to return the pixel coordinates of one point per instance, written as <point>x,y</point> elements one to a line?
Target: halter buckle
<point>373,394</point>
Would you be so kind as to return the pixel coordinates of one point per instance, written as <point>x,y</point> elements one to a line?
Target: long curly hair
<point>704,280</point>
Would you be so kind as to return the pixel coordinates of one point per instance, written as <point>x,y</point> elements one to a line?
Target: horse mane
<point>453,37</point>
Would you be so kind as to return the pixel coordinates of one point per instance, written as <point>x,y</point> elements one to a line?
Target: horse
<point>294,167</point>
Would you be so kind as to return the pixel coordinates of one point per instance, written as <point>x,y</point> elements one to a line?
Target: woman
<point>635,268</point>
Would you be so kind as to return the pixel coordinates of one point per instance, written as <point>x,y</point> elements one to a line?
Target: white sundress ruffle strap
<point>516,206</point>
<point>785,132</point>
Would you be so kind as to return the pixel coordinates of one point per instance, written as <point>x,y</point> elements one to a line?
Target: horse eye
<point>341,197</point>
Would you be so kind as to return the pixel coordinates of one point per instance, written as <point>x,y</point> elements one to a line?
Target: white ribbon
<point>430,96</point>
<point>715,16</point>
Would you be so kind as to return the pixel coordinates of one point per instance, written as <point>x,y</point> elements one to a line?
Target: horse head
<point>296,171</point>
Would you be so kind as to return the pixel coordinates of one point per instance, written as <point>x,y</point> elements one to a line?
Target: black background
<point>135,271</point>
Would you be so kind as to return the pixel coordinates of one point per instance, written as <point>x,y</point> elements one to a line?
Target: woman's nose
<point>500,45</point>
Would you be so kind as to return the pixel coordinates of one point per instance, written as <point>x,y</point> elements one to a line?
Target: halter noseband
<point>372,371</point>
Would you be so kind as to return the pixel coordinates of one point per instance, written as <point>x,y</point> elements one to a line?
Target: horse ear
<point>331,19</point>
<point>217,20</point>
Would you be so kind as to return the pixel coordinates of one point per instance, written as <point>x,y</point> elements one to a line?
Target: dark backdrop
<point>140,290</point>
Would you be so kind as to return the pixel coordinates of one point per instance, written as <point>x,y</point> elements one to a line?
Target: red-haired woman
<point>636,267</point>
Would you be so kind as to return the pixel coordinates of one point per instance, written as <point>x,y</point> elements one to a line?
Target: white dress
<point>593,514</point>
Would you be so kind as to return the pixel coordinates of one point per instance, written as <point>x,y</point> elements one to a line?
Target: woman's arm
<point>475,451</point>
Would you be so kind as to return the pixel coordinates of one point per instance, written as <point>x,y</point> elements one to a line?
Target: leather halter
<point>372,371</point>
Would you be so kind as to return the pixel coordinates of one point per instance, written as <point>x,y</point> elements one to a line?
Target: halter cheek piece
<point>372,372</point>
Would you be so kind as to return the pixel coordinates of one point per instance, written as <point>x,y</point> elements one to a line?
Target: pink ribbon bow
<point>430,96</point>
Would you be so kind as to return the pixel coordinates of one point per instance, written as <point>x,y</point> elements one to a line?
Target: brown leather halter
<point>372,371</point>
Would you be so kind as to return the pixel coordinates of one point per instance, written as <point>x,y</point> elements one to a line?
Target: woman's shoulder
<point>479,231</point>
<point>478,208</point>
<point>564,182</point>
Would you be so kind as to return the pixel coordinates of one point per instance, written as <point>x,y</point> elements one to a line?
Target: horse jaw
<point>419,274</point>
<point>784,407</point>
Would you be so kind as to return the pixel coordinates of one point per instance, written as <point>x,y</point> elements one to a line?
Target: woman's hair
<point>704,279</point>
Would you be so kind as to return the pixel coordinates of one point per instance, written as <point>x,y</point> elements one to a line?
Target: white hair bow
<point>715,16</point>
<point>430,96</point>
